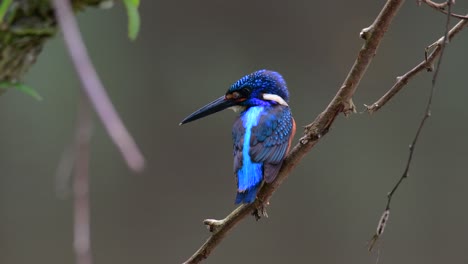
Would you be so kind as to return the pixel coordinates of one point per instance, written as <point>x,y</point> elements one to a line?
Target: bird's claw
<point>260,212</point>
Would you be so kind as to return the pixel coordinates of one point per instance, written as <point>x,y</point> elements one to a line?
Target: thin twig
<point>313,132</point>
<point>441,8</point>
<point>64,171</point>
<point>93,87</point>
<point>427,114</point>
<point>82,240</point>
<point>423,65</point>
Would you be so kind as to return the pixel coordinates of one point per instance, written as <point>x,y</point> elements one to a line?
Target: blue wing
<point>238,132</point>
<point>271,139</point>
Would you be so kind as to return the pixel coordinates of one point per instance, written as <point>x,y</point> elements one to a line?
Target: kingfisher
<point>261,134</point>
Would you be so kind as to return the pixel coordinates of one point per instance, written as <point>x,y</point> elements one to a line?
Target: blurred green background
<point>188,53</point>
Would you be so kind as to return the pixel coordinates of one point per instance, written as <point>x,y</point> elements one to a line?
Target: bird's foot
<point>260,211</point>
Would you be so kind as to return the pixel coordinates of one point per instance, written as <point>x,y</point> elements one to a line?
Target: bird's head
<point>259,88</point>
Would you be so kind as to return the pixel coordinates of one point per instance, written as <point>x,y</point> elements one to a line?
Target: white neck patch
<point>237,108</point>
<point>276,98</point>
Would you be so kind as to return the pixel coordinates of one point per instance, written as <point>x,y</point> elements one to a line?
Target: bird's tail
<point>247,196</point>
<point>249,179</point>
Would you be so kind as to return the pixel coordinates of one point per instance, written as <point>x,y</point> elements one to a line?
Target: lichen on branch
<point>24,28</point>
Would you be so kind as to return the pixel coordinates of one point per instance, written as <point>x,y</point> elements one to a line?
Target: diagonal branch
<point>93,87</point>
<point>427,113</point>
<point>313,132</point>
<point>81,223</point>
<point>441,8</point>
<point>423,65</point>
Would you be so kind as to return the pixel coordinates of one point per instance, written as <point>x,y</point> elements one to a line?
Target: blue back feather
<point>249,175</point>
<point>261,138</point>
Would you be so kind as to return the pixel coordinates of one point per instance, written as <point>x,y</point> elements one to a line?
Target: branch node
<point>366,32</point>
<point>371,108</point>
<point>380,228</point>
<point>311,132</point>
<point>430,67</point>
<point>428,48</point>
<point>213,225</point>
<point>349,107</point>
<point>304,140</point>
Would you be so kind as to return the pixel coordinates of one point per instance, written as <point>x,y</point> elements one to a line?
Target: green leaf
<point>133,18</point>
<point>4,8</point>
<point>22,88</point>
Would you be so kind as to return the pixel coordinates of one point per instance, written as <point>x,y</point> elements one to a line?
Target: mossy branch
<point>24,28</point>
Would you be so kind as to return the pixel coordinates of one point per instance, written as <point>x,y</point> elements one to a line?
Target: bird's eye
<point>236,95</point>
<point>239,95</point>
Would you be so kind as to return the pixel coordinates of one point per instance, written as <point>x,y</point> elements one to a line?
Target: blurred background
<point>188,53</point>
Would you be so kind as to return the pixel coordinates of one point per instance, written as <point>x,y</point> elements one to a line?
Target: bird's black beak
<point>211,108</point>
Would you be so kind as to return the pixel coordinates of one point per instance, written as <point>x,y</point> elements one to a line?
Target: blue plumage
<point>250,173</point>
<point>262,81</point>
<point>261,134</point>
<point>260,144</point>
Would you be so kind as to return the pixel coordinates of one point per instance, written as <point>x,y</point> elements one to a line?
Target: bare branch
<point>441,8</point>
<point>93,87</point>
<point>427,114</point>
<point>82,240</point>
<point>64,171</point>
<point>313,132</point>
<point>424,65</point>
